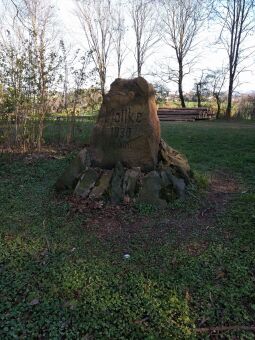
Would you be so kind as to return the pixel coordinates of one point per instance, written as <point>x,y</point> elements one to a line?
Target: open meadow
<point>191,270</point>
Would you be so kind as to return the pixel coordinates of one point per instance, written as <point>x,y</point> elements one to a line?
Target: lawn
<point>191,270</point>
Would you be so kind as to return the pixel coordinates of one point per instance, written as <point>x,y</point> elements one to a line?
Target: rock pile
<point>127,160</point>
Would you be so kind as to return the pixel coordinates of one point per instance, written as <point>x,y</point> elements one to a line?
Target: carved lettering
<point>117,117</point>
<point>124,126</point>
<point>115,131</point>
<point>128,132</point>
<point>121,132</point>
<point>126,117</point>
<point>139,117</point>
<point>124,145</point>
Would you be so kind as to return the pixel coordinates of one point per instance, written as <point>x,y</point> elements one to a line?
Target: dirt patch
<point>222,188</point>
<point>47,152</point>
<point>188,227</point>
<point>224,182</point>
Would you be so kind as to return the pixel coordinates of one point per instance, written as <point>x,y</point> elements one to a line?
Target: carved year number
<point>121,132</point>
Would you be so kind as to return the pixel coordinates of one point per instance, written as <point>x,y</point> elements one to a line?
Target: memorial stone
<point>127,161</point>
<point>127,129</point>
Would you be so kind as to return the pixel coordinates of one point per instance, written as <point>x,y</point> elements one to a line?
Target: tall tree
<point>215,80</point>
<point>12,74</point>
<point>96,21</point>
<point>145,27</point>
<point>182,21</point>
<point>200,87</point>
<point>32,26</point>
<point>237,20</point>
<point>119,33</point>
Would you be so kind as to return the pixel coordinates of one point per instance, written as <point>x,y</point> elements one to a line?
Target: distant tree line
<point>37,65</point>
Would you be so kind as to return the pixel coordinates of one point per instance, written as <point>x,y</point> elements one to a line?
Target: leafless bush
<point>246,107</point>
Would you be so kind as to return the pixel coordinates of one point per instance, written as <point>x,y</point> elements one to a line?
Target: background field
<point>191,267</point>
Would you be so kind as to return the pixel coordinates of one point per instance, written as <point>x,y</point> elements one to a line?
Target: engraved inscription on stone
<point>127,129</point>
<point>125,125</point>
<point>125,116</point>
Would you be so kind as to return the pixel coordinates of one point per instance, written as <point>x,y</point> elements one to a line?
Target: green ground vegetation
<point>63,273</point>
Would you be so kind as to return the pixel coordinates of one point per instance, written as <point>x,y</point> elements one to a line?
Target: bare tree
<point>80,74</point>
<point>145,26</point>
<point>119,33</point>
<point>215,80</point>
<point>200,87</point>
<point>39,17</point>
<point>12,73</point>
<point>96,21</point>
<point>33,27</point>
<point>65,75</point>
<point>237,20</point>
<point>182,21</point>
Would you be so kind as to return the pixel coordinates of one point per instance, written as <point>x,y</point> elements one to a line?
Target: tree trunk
<point>119,68</point>
<point>138,59</point>
<point>198,96</point>
<point>139,69</point>
<point>218,106</point>
<point>42,114</point>
<point>102,83</point>
<point>181,96</point>
<point>16,125</point>
<point>180,80</point>
<point>103,90</point>
<point>230,95</point>
<point>71,131</point>
<point>40,133</point>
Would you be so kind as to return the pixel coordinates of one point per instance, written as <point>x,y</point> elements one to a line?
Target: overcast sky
<point>210,55</point>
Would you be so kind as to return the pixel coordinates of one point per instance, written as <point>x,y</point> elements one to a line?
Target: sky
<point>210,55</point>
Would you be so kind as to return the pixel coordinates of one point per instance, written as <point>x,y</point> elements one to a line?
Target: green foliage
<point>61,279</point>
<point>55,131</point>
<point>202,180</point>
<point>145,208</point>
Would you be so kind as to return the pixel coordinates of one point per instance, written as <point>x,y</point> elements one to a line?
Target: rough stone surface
<point>116,188</point>
<point>130,181</point>
<point>127,129</point>
<point>86,182</point>
<point>127,161</point>
<point>179,186</point>
<point>102,186</point>
<point>151,189</point>
<point>172,185</point>
<point>71,175</point>
<point>169,157</point>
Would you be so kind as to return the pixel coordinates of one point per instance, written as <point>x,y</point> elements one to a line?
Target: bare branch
<point>95,19</point>
<point>182,21</point>
<point>144,25</point>
<point>237,20</point>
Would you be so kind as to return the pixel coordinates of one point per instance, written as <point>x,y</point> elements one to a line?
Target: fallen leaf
<point>34,302</point>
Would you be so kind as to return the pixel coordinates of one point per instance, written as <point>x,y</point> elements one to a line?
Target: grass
<point>63,273</point>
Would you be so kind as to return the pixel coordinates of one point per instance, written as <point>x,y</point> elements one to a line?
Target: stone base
<point>167,182</point>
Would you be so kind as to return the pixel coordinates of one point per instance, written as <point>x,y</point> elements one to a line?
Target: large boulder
<point>170,158</point>
<point>73,172</point>
<point>102,186</point>
<point>150,192</point>
<point>130,181</point>
<point>86,183</point>
<point>127,161</point>
<point>116,188</point>
<point>127,129</point>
